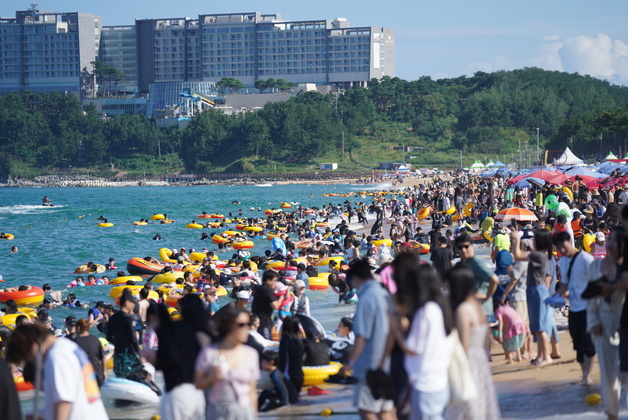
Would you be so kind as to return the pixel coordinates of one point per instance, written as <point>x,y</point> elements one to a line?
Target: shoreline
<point>85,181</point>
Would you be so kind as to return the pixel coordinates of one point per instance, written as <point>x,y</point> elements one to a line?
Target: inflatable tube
<point>8,236</point>
<point>423,213</point>
<point>311,325</point>
<point>487,236</point>
<point>230,232</point>
<point>216,216</point>
<point>174,314</point>
<point>322,225</point>
<point>140,223</point>
<point>253,229</point>
<point>319,283</point>
<point>170,277</point>
<point>9,320</point>
<point>422,248</point>
<point>587,241</point>
<point>137,266</point>
<point>82,269</point>
<point>316,375</point>
<point>172,301</point>
<point>451,210</point>
<point>219,239</point>
<point>22,385</point>
<point>157,217</point>
<point>104,224</point>
<point>33,296</point>
<point>243,245</point>
<point>387,242</point>
<point>124,389</point>
<point>286,206</point>
<point>221,291</point>
<point>325,261</point>
<point>466,211</point>
<point>271,236</point>
<point>194,226</point>
<point>198,256</point>
<point>276,265</point>
<point>567,191</point>
<point>124,279</point>
<point>204,216</point>
<point>164,255</point>
<point>165,222</point>
<point>117,290</point>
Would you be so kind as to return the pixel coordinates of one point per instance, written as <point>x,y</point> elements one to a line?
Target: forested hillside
<point>487,114</point>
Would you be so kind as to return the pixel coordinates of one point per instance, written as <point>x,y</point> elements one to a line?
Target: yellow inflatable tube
<point>164,254</point>
<point>124,279</point>
<point>316,375</point>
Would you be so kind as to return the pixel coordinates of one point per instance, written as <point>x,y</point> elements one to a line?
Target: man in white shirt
<point>574,268</point>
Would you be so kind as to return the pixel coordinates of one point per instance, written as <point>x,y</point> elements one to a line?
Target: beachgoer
<point>229,369</point>
<point>470,321</point>
<point>371,326</point>
<point>574,268</point>
<point>291,352</point>
<point>92,348</point>
<point>69,383</point>
<point>265,302</point>
<point>282,392</point>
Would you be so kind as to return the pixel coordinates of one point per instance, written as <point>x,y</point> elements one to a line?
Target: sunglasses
<point>463,246</point>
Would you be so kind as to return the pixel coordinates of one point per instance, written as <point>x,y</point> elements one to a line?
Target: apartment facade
<point>48,51</point>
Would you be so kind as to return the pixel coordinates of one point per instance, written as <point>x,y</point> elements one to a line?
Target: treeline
<point>486,113</point>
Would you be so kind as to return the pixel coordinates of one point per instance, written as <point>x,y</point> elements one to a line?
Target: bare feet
<point>541,363</point>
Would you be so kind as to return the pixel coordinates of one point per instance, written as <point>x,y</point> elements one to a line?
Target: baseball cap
<point>71,320</point>
<point>243,294</point>
<point>210,288</point>
<point>42,313</point>
<point>600,236</point>
<point>299,284</point>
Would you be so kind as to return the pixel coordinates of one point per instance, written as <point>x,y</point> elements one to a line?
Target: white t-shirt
<point>69,376</point>
<point>578,279</point>
<point>427,370</point>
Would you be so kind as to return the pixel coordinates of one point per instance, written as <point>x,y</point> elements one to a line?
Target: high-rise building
<point>251,46</point>
<point>118,49</point>
<point>48,51</point>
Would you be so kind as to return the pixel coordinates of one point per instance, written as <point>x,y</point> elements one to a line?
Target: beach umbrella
<point>529,182</point>
<point>516,213</point>
<point>544,174</point>
<point>582,171</point>
<point>559,178</point>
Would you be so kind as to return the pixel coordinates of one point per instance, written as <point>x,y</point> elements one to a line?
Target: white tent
<point>568,158</point>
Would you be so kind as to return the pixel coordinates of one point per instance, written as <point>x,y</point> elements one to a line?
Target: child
<point>511,330</point>
<point>282,392</point>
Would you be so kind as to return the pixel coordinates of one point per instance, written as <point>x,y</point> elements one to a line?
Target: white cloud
<point>598,56</point>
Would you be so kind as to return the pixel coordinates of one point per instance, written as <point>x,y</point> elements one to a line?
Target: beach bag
<point>461,384</point>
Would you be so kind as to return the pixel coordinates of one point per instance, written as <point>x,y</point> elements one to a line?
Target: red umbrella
<point>544,174</point>
<point>559,178</point>
<point>516,213</point>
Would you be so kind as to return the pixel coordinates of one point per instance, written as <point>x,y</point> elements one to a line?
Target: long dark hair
<point>224,320</point>
<point>461,285</point>
<point>194,314</point>
<point>423,285</point>
<point>543,241</point>
<point>291,328</point>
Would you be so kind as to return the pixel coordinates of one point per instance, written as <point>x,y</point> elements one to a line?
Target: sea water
<point>53,241</point>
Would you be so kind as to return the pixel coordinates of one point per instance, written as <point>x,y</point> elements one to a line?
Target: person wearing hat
<point>69,329</point>
<point>301,303</point>
<point>590,223</point>
<point>243,297</point>
<point>598,248</point>
<point>122,332</point>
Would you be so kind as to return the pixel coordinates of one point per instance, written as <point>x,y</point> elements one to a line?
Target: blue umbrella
<point>529,182</point>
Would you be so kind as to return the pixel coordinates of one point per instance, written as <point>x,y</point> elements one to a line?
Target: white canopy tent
<point>568,158</point>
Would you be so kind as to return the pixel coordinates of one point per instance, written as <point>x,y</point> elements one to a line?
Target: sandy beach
<point>525,392</point>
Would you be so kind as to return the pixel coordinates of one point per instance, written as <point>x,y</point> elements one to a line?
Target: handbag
<point>461,384</point>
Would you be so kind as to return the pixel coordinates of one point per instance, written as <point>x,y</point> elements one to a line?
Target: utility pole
<point>460,158</point>
<point>538,158</point>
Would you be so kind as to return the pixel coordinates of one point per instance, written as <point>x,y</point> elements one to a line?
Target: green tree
<point>260,84</point>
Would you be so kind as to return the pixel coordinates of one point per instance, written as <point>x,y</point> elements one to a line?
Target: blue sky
<point>437,38</point>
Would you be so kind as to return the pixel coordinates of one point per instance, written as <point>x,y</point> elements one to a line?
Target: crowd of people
<point>413,314</point>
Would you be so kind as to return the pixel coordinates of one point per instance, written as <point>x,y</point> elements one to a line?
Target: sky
<point>436,38</point>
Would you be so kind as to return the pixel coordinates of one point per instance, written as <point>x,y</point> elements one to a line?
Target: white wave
<point>29,209</point>
<point>263,185</point>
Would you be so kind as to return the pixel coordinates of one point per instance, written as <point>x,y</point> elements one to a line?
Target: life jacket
<point>577,229</point>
